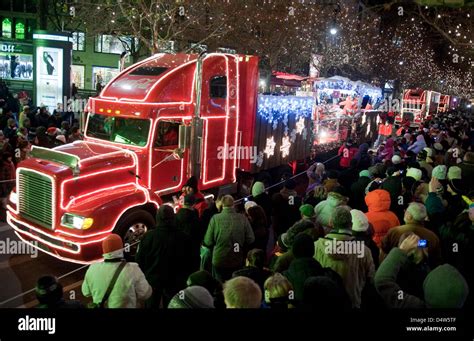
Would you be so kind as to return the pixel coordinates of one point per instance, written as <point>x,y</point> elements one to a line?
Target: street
<point>19,273</point>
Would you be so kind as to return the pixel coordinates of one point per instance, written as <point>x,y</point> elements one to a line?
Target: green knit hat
<point>307,210</point>
<point>364,173</point>
<point>445,287</point>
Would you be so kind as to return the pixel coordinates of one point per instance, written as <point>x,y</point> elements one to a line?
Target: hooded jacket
<point>379,215</point>
<point>418,145</point>
<point>362,157</point>
<point>355,266</point>
<point>325,209</point>
<point>388,150</point>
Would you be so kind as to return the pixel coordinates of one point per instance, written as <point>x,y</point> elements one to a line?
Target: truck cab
<point>156,124</point>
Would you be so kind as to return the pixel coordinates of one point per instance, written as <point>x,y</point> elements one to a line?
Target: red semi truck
<point>156,124</point>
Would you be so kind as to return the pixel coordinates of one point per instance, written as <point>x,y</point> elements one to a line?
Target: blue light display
<point>278,108</point>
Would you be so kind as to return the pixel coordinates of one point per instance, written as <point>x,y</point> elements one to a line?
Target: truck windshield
<point>132,131</point>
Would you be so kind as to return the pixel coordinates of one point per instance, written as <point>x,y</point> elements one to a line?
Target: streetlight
<point>333,31</point>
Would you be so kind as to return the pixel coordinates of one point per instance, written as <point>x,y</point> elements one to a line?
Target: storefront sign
<point>15,48</point>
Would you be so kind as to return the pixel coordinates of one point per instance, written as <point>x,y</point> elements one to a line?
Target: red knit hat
<point>113,242</point>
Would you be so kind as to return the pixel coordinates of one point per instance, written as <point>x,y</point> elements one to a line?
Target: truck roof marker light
<point>137,114</point>
<point>109,111</point>
<point>101,110</point>
<point>117,112</point>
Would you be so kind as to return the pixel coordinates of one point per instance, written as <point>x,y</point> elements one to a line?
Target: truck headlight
<point>13,197</point>
<point>76,221</point>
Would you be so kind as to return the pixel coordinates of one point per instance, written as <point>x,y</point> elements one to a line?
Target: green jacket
<point>387,287</point>
<point>229,235</point>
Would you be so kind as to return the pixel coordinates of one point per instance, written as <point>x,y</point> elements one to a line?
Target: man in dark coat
<point>357,196</point>
<point>165,255</point>
<point>187,220</point>
<point>467,168</point>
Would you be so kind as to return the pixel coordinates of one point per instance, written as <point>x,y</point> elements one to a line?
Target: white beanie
<point>439,172</point>
<point>396,159</point>
<point>360,223</point>
<point>415,173</point>
<point>258,188</point>
<point>249,204</point>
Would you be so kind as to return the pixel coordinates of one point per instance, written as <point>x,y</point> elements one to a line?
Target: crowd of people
<point>392,227</point>
<point>22,126</point>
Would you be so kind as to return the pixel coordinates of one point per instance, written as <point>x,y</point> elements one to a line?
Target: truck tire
<point>132,227</point>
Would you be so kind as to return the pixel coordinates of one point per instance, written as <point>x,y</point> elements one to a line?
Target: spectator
<point>23,116</point>
<point>415,217</point>
<point>331,182</point>
<point>187,220</point>
<point>254,268</point>
<point>325,209</point>
<point>191,188</point>
<point>303,264</point>
<point>467,169</point>
<point>7,174</point>
<point>351,259</point>
<point>75,135</point>
<point>361,230</point>
<point>262,199</point>
<point>57,117</point>
<point>425,160</point>
<point>444,287</point>
<point>378,203</point>
<point>258,221</point>
<point>315,196</point>
<point>316,175</point>
<point>418,145</point>
<point>347,152</point>
<point>362,157</point>
<point>229,234</point>
<point>285,207</point>
<point>130,286</point>
<point>166,256</point>
<point>325,292</point>
<point>49,293</point>
<point>204,279</point>
<point>193,297</point>
<point>242,292</point>
<point>357,196</point>
<point>278,292</point>
<point>42,118</point>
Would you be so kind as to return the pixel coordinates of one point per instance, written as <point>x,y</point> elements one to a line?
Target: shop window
<point>78,41</point>
<point>20,29</point>
<point>77,75</point>
<point>6,28</point>
<point>111,44</point>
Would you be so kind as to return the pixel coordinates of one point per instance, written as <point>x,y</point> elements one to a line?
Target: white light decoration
<point>270,147</point>
<point>300,125</point>
<point>285,146</point>
<point>259,162</point>
<point>293,136</point>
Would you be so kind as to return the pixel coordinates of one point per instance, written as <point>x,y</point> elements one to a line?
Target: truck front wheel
<point>132,227</point>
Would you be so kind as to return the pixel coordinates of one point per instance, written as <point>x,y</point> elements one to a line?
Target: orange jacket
<point>379,216</point>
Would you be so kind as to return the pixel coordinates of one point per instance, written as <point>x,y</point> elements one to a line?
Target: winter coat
<point>347,154</point>
<point>259,276</point>
<point>325,209</point>
<point>299,271</point>
<point>187,220</point>
<point>331,184</point>
<point>130,288</point>
<point>355,269</point>
<point>362,157</point>
<point>378,203</point>
<point>229,234</point>
<point>467,171</point>
<point>418,145</point>
<point>357,195</point>
<point>166,256</point>
<point>393,185</point>
<point>388,150</point>
<point>264,201</point>
<point>369,242</point>
<point>284,213</point>
<point>392,240</point>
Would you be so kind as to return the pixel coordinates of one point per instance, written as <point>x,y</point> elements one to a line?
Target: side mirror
<point>184,137</point>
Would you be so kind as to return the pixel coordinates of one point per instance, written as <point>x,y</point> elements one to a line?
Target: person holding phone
<point>443,287</point>
<point>414,218</point>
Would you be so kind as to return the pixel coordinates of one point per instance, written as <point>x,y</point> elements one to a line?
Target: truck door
<point>166,165</point>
